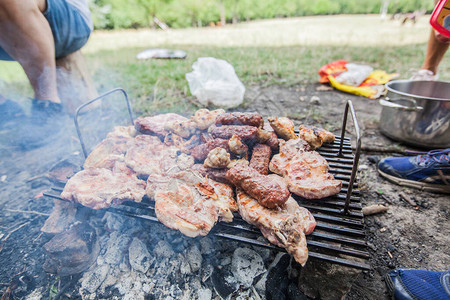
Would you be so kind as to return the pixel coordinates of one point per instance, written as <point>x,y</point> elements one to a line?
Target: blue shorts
<point>69,29</point>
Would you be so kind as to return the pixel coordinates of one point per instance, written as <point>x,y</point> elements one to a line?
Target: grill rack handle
<point>75,118</point>
<point>349,105</point>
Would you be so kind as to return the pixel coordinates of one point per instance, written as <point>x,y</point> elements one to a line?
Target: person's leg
<point>27,38</point>
<point>435,52</point>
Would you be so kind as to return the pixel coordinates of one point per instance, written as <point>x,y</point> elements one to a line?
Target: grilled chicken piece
<point>217,158</point>
<point>147,154</point>
<point>200,152</point>
<point>156,124</point>
<point>205,118</point>
<point>237,146</point>
<point>190,203</point>
<point>285,226</point>
<point>306,172</point>
<point>185,145</point>
<point>100,188</point>
<point>283,127</point>
<point>183,128</point>
<point>315,136</point>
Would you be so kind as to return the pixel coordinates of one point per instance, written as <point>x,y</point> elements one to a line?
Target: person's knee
<point>11,8</point>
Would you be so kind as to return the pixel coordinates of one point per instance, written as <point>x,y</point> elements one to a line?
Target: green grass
<point>160,85</point>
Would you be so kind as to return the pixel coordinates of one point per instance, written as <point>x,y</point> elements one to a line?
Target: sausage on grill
<point>269,190</point>
<point>239,118</point>
<point>261,158</point>
<point>245,132</point>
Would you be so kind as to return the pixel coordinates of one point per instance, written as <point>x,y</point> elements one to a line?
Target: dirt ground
<point>404,237</point>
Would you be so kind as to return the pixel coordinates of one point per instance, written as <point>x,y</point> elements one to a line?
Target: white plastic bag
<point>214,81</point>
<point>355,74</point>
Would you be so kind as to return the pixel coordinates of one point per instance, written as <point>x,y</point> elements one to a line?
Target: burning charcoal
<point>246,265</point>
<point>62,216</point>
<point>139,256</point>
<point>163,250</point>
<point>72,251</point>
<point>277,278</point>
<point>294,292</point>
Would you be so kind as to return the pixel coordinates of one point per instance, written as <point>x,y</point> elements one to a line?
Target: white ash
<point>92,279</point>
<point>204,294</point>
<point>139,256</point>
<point>246,265</point>
<point>116,247</point>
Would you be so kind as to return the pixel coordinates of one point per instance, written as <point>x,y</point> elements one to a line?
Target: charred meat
<point>245,133</point>
<point>260,158</point>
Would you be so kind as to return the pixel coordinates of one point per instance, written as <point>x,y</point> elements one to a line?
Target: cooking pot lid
<point>427,90</point>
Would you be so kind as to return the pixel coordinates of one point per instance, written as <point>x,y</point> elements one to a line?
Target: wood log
<point>374,209</point>
<point>75,85</point>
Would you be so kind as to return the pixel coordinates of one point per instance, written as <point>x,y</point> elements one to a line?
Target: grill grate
<point>339,236</point>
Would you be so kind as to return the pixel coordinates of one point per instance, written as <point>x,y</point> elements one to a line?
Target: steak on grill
<point>187,202</point>
<point>306,172</point>
<point>147,154</point>
<point>285,226</point>
<point>100,188</point>
<point>156,124</point>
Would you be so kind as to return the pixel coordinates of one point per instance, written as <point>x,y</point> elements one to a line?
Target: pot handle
<point>387,102</point>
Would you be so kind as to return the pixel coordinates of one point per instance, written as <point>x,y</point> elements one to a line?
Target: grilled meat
<point>205,118</point>
<point>156,124</point>
<point>183,128</point>
<point>100,188</point>
<point>147,154</point>
<point>190,203</point>
<point>123,132</point>
<point>283,127</point>
<point>105,154</point>
<point>217,158</point>
<point>245,133</point>
<point>285,226</point>
<point>215,174</point>
<point>315,136</point>
<point>306,172</point>
<point>184,145</point>
<point>239,118</point>
<point>270,190</point>
<point>237,146</point>
<point>261,158</point>
<point>200,152</point>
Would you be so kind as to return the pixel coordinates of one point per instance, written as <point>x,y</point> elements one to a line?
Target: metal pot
<point>417,113</point>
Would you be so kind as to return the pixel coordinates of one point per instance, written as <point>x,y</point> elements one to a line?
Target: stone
<point>246,265</point>
<point>139,256</point>
<point>315,100</point>
<point>62,216</point>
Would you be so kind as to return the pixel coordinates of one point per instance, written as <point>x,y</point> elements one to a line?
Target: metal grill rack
<point>339,236</point>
